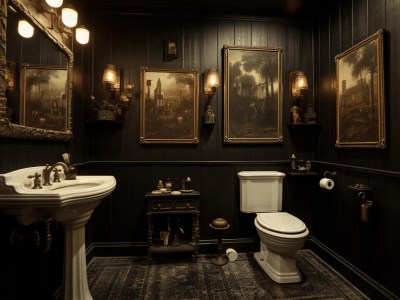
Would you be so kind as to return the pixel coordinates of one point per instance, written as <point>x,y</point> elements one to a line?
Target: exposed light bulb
<point>25,29</point>
<point>54,3</point>
<point>69,16</point>
<point>82,35</point>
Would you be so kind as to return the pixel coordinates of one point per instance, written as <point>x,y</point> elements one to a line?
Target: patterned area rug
<point>136,278</point>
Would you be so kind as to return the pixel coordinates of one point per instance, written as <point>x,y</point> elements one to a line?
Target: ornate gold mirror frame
<point>43,23</point>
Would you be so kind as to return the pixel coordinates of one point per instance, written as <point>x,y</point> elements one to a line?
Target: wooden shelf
<point>302,174</point>
<point>303,126</point>
<point>183,247</point>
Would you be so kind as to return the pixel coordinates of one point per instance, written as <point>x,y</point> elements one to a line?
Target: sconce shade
<point>82,35</point>
<point>25,29</point>
<point>54,3</point>
<point>69,16</point>
<point>211,81</point>
<point>111,76</point>
<point>298,83</point>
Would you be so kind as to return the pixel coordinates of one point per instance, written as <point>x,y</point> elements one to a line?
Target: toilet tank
<point>260,191</point>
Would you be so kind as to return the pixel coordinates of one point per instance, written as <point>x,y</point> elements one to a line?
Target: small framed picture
<point>170,49</point>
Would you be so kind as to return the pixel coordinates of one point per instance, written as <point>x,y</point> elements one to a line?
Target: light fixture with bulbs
<point>63,19</point>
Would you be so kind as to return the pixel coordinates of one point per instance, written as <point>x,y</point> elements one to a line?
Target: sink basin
<point>70,202</point>
<point>28,205</point>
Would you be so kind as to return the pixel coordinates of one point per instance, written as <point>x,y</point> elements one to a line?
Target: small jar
<point>168,184</point>
<point>160,185</point>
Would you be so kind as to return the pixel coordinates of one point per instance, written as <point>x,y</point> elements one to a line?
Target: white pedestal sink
<point>70,202</point>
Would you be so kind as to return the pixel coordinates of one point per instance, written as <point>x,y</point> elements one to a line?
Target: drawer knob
<point>187,204</point>
<point>158,205</point>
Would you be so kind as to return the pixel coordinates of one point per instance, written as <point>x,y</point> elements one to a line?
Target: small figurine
<point>295,114</point>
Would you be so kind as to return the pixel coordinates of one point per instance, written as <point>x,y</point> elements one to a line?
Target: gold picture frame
<point>252,95</point>
<point>169,101</point>
<point>44,94</point>
<point>360,97</point>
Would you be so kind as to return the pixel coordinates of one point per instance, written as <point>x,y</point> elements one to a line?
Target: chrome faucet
<point>70,171</point>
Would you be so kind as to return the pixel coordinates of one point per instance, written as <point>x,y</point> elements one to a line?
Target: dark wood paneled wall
<point>371,247</point>
<point>333,217</point>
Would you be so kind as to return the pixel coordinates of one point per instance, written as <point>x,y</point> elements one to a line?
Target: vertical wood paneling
<point>360,20</point>
<point>392,65</point>
<point>377,15</point>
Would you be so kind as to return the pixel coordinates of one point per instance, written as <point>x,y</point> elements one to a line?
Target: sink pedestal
<point>69,202</point>
<point>75,275</point>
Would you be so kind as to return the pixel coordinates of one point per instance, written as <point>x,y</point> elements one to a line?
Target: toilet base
<point>285,270</point>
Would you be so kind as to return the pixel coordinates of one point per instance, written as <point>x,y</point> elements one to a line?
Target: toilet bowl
<point>281,236</point>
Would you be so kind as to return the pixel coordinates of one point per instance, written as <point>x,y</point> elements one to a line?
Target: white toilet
<point>281,234</point>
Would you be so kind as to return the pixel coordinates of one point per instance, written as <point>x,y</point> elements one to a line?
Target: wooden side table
<point>172,207</point>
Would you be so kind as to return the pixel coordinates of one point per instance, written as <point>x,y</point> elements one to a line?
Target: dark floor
<point>163,278</point>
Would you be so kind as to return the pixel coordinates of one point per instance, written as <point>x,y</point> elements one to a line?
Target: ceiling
<point>279,8</point>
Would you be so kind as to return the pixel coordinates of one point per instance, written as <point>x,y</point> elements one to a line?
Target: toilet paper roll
<point>232,254</point>
<point>326,183</point>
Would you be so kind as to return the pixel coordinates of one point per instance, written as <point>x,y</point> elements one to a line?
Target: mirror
<point>35,74</point>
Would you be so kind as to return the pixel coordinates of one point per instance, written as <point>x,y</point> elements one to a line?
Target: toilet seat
<point>281,222</point>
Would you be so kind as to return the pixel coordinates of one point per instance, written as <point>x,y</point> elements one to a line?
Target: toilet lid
<point>281,222</point>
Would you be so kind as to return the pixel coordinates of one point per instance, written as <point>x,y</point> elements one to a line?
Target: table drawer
<point>186,204</point>
<point>161,205</point>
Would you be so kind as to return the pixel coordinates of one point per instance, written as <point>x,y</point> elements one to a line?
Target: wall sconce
<point>111,77</point>
<point>116,102</point>
<point>298,83</point>
<point>25,29</point>
<point>298,89</point>
<point>82,35</point>
<point>211,82</point>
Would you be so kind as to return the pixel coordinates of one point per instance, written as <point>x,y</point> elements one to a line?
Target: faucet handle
<point>36,180</point>
<point>56,177</point>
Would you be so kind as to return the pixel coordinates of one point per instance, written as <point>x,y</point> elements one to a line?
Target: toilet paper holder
<point>366,207</point>
<point>330,174</point>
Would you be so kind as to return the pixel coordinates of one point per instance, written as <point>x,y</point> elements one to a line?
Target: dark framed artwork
<point>252,95</point>
<point>170,49</point>
<point>360,100</point>
<point>169,100</point>
<point>43,100</point>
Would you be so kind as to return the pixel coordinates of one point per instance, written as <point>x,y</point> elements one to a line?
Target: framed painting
<point>252,95</point>
<point>170,49</point>
<point>43,99</point>
<point>169,101</point>
<point>360,98</point>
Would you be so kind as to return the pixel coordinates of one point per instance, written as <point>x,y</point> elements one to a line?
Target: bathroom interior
<point>134,37</point>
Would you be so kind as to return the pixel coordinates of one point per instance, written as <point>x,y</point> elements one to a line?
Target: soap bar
<point>175,193</point>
